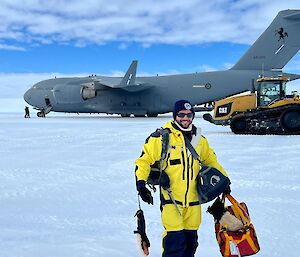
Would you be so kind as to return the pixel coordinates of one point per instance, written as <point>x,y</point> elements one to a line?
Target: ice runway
<point>67,186</point>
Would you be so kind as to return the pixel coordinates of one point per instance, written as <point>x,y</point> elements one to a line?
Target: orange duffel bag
<point>242,242</point>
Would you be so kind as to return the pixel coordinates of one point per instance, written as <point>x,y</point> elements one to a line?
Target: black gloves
<point>144,193</point>
<point>227,191</point>
<point>217,209</point>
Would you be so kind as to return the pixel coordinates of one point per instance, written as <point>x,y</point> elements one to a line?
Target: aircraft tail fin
<point>129,78</point>
<point>276,45</point>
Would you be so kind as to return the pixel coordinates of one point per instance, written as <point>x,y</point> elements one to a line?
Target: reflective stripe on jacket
<point>180,166</point>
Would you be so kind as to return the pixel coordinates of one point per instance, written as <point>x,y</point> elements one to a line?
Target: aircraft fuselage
<point>65,94</point>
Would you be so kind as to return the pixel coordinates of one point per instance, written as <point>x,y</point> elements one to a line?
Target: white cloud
<point>206,68</point>
<point>294,65</point>
<point>12,47</point>
<point>228,65</point>
<point>146,22</point>
<point>123,46</point>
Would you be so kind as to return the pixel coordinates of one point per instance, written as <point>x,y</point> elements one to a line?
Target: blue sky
<point>109,58</point>
<point>73,37</point>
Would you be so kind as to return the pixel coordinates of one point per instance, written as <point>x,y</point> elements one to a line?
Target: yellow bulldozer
<point>266,110</point>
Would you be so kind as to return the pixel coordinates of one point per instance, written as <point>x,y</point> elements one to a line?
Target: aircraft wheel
<point>238,125</point>
<point>152,115</point>
<point>139,115</point>
<point>290,120</point>
<point>125,115</point>
<point>40,114</point>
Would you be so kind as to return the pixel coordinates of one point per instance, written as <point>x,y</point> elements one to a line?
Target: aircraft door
<point>47,101</point>
<point>155,105</point>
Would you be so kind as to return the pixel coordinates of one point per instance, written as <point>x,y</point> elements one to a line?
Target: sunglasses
<point>181,115</point>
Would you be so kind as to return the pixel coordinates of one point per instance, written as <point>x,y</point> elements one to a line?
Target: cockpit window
<point>270,92</point>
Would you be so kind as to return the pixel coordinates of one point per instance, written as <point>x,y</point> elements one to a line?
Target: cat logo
<point>223,110</point>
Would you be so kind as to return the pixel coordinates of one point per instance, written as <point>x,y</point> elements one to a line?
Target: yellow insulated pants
<point>180,237</point>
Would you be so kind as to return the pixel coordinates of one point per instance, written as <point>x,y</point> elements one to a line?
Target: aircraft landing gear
<point>152,115</point>
<point>41,114</point>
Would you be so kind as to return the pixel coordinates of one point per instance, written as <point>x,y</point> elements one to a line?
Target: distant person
<point>27,114</point>
<point>181,217</point>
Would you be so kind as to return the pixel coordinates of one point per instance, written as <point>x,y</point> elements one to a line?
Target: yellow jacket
<point>181,168</point>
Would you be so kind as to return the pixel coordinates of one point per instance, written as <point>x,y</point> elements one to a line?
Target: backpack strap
<point>192,145</point>
<point>165,153</point>
<point>164,134</point>
<point>196,138</point>
<point>165,138</point>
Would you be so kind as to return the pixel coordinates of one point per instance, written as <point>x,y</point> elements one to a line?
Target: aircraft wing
<point>137,87</point>
<point>113,83</point>
<point>127,83</point>
<point>107,82</point>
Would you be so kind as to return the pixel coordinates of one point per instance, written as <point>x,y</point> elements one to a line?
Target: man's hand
<point>144,193</point>
<point>227,191</point>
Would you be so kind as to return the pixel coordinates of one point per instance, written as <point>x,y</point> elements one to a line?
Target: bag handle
<point>237,208</point>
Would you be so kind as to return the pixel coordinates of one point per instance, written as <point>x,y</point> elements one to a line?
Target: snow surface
<point>68,190</point>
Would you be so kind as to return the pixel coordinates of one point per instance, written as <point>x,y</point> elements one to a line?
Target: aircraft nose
<point>27,96</point>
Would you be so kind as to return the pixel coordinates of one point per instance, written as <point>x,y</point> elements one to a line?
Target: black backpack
<point>156,168</point>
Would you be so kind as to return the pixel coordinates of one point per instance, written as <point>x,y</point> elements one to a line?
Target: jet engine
<point>88,91</point>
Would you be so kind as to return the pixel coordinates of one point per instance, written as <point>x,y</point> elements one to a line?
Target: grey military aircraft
<point>155,95</point>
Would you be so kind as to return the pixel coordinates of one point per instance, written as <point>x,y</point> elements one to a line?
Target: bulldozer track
<point>284,120</point>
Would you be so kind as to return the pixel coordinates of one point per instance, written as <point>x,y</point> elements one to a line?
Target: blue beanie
<point>182,105</point>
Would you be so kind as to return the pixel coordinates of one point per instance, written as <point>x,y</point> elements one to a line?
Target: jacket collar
<point>175,129</point>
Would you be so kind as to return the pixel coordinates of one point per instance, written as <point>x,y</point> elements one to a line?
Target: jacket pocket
<point>175,162</point>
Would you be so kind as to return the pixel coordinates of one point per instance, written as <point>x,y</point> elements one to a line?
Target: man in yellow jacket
<point>181,220</point>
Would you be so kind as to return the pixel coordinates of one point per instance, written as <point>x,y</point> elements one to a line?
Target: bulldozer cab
<point>270,89</point>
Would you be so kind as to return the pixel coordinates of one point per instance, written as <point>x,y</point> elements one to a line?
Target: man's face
<point>184,121</point>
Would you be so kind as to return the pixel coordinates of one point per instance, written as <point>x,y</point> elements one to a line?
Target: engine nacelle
<point>88,92</point>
